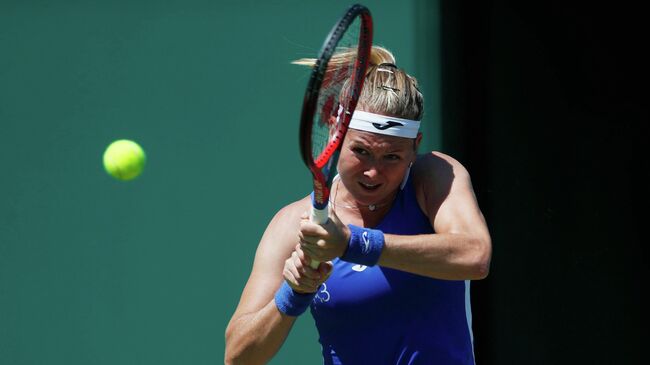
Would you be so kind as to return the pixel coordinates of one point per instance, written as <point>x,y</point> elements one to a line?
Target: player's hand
<point>300,276</point>
<point>324,242</point>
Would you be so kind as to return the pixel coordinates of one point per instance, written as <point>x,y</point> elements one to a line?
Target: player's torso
<point>377,315</point>
<point>383,316</point>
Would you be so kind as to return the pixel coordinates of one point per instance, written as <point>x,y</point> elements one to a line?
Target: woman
<point>404,238</point>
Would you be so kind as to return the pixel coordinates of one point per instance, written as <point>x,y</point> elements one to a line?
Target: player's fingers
<point>289,276</point>
<point>301,254</point>
<point>305,267</point>
<point>304,284</point>
<point>307,239</point>
<point>301,272</point>
<point>300,286</point>
<point>310,229</point>
<point>309,251</point>
<point>315,252</point>
<point>315,243</point>
<point>311,241</point>
<point>295,279</point>
<point>296,262</point>
<point>325,268</point>
<point>305,262</point>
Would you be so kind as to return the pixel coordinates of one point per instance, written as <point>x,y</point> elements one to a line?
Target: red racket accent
<point>323,78</point>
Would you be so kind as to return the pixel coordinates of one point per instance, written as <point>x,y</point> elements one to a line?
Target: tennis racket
<point>330,99</point>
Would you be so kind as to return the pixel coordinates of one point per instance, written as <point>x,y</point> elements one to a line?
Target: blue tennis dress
<point>376,315</point>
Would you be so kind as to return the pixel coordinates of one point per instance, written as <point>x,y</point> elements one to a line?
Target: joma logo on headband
<point>387,125</point>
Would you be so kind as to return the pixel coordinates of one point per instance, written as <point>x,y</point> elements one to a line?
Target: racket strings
<point>331,98</point>
<point>335,100</point>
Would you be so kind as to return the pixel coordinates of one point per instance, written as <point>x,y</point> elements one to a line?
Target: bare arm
<point>461,247</point>
<point>459,250</point>
<point>257,329</point>
<point>448,256</point>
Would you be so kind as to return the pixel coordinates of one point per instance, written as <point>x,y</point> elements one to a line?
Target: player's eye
<point>360,151</point>
<point>393,157</point>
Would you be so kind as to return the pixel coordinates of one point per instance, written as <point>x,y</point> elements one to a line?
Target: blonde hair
<point>387,90</point>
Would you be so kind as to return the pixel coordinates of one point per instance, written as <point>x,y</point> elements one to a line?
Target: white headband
<point>383,124</point>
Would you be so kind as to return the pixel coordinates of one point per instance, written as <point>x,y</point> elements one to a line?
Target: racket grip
<point>319,216</point>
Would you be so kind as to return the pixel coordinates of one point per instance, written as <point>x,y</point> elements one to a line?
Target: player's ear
<point>417,140</point>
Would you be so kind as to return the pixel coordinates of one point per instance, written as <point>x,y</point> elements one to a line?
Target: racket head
<point>326,112</point>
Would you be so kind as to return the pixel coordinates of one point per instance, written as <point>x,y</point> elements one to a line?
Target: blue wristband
<point>365,246</point>
<point>292,303</point>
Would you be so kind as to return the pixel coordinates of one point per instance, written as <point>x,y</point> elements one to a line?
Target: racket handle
<point>319,216</point>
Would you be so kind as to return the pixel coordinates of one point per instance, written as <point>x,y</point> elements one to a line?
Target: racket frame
<point>324,165</point>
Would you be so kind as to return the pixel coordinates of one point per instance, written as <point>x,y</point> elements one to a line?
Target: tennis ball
<point>124,159</point>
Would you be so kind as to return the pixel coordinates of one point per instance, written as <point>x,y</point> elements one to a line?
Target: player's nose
<point>371,171</point>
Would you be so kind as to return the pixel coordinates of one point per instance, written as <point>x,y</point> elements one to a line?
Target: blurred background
<point>545,106</point>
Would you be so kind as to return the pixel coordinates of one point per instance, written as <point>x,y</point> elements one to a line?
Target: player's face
<point>372,166</point>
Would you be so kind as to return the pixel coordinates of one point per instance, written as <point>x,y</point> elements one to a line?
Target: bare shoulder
<point>280,234</point>
<point>437,164</point>
<point>436,172</point>
<point>276,245</point>
<point>437,177</point>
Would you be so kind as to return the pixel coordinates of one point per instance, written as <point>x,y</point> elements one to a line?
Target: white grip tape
<point>319,216</point>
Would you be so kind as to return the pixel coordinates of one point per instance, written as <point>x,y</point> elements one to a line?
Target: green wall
<point>96,271</point>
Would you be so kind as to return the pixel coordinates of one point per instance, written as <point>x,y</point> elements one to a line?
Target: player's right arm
<point>257,329</point>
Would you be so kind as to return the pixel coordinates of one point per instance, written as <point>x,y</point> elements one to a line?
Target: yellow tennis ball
<point>124,159</point>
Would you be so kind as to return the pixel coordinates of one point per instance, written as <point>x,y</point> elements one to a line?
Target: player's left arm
<point>460,248</point>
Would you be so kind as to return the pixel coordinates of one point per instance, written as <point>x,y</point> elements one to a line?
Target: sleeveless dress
<point>376,315</point>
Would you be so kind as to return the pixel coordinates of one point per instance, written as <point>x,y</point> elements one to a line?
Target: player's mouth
<point>369,187</point>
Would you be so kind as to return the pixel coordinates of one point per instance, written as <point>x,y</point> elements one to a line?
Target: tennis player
<point>404,239</point>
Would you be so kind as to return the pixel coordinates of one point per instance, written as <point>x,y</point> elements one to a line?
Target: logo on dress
<point>323,295</point>
<point>359,268</point>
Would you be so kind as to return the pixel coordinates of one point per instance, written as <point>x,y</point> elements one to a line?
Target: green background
<point>97,271</point>
<point>546,106</point>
